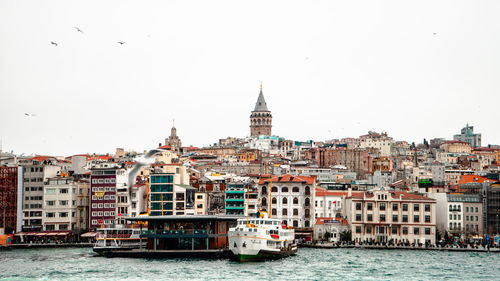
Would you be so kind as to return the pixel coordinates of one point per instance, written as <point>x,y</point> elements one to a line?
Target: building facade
<point>11,196</point>
<point>467,135</point>
<point>391,216</point>
<point>289,198</point>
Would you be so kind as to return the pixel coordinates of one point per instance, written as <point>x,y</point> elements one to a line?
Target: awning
<point>88,235</point>
<point>41,234</point>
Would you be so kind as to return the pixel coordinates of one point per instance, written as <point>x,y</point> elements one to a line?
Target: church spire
<point>261,102</point>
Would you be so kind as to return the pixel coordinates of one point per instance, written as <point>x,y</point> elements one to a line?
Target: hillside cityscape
<point>366,189</point>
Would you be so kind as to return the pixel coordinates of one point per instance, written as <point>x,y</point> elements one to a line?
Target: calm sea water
<point>310,264</point>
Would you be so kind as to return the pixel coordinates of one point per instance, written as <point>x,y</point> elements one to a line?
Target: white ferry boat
<point>118,237</point>
<point>260,239</point>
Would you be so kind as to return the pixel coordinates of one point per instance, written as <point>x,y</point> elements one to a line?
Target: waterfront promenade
<point>412,248</point>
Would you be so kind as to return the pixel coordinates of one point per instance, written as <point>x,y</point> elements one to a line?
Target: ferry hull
<point>264,255</point>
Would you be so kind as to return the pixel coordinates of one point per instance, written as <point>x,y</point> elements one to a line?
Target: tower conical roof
<point>261,102</point>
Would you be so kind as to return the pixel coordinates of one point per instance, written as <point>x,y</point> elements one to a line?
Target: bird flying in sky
<point>78,29</point>
<point>121,42</point>
<point>53,43</point>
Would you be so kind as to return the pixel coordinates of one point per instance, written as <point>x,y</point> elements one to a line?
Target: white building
<point>60,204</point>
<point>291,198</point>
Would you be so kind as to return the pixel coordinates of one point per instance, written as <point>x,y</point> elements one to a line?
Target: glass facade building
<point>161,192</point>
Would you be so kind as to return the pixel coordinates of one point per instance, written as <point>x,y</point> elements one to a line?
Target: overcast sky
<point>330,69</point>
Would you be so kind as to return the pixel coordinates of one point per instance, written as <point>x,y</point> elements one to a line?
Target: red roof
<point>289,178</point>
<point>322,192</point>
<point>320,221</point>
<point>165,147</point>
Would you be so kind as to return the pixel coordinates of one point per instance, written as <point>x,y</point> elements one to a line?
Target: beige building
<point>391,216</point>
<point>60,204</point>
<point>456,147</point>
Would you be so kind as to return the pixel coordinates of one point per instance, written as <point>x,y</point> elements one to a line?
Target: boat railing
<point>180,231</point>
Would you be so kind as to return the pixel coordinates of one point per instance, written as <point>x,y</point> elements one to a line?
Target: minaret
<point>261,118</point>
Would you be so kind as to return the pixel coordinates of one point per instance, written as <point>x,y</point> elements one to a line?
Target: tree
<point>346,235</point>
<point>327,235</point>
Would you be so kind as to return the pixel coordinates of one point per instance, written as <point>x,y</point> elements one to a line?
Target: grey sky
<point>330,69</point>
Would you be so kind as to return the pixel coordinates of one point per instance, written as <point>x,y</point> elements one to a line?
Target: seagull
<point>121,42</point>
<point>434,33</point>
<point>139,163</point>
<point>53,43</point>
<point>78,29</point>
<point>27,114</point>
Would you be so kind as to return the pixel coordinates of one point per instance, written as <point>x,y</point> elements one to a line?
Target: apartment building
<point>391,216</point>
<point>289,198</point>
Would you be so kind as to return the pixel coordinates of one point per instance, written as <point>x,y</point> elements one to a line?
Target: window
<point>50,215</point>
<point>405,207</point>
<point>427,231</point>
<point>358,206</point>
<point>284,189</point>
<point>405,218</point>
<point>295,212</point>
<point>295,201</point>
<point>405,230</point>
<point>394,207</point>
<point>416,218</point>
<point>369,206</point>
<point>382,206</point>
<point>427,218</point>
<point>477,209</point>
<point>295,189</point>
<point>395,218</point>
<point>477,218</point>
<point>284,212</point>
<point>50,191</point>
<point>416,207</point>
<point>274,189</point>
<point>369,217</point>
<point>416,230</point>
<point>381,230</point>
<point>63,214</point>
<point>394,230</point>
<point>450,208</point>
<point>63,202</point>
<point>50,203</point>
<point>358,229</point>
<point>369,229</point>
<point>63,190</point>
<point>285,201</point>
<point>273,212</point>
<point>427,207</point>
<point>199,196</point>
<point>382,217</point>
<point>358,217</point>
<point>273,201</point>
<point>466,209</point>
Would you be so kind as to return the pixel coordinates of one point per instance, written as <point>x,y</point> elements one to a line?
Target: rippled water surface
<point>310,264</point>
